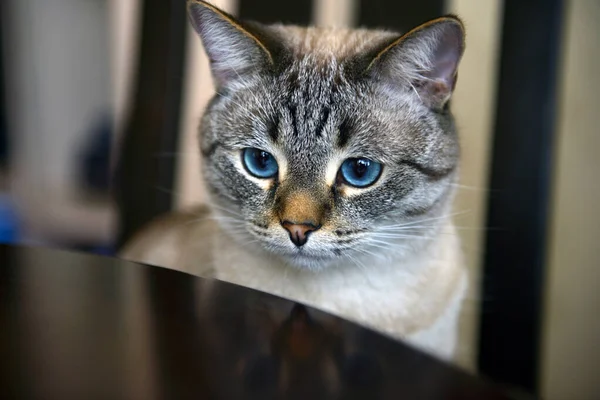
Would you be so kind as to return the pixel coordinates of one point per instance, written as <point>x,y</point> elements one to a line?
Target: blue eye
<point>360,172</point>
<point>259,163</point>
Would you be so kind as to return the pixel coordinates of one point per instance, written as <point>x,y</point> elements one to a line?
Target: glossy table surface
<point>77,326</point>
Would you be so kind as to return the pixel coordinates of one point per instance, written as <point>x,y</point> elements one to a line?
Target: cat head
<point>322,146</point>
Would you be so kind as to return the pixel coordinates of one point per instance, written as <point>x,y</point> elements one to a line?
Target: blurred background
<point>101,100</point>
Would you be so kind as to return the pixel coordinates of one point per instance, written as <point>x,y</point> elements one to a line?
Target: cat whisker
<point>367,252</point>
<point>416,229</point>
<point>414,233</point>
<point>372,240</point>
<point>361,267</point>
<point>407,228</point>
<point>236,230</point>
<point>195,221</point>
<point>467,187</point>
<point>242,242</point>
<point>412,223</point>
<point>387,248</point>
<point>227,210</point>
<point>379,246</point>
<point>230,222</point>
<point>226,219</point>
<point>234,225</point>
<point>400,236</point>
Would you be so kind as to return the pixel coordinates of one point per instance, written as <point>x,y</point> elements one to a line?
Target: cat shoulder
<point>177,240</point>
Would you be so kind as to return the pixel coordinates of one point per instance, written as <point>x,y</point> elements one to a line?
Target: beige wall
<point>473,106</point>
<point>123,32</point>
<point>571,334</point>
<point>571,349</point>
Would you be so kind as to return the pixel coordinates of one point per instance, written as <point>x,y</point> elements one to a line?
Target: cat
<point>330,158</point>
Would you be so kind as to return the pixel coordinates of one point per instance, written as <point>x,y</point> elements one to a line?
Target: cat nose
<point>299,231</point>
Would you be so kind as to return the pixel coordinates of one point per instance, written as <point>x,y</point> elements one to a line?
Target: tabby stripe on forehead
<point>274,128</point>
<point>345,132</point>
<point>323,120</point>
<point>432,174</point>
<point>293,110</point>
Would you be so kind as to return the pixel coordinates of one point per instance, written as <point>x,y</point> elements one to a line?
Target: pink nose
<point>299,231</point>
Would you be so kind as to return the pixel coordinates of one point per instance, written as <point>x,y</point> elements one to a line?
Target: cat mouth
<point>310,261</point>
<point>309,256</point>
<point>301,256</point>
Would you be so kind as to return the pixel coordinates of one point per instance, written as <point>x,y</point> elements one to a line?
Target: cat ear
<point>424,60</point>
<point>234,52</point>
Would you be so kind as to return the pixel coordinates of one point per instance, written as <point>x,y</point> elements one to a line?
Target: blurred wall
<point>58,86</point>
<point>571,347</point>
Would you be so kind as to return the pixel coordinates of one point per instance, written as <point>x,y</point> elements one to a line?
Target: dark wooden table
<point>76,326</point>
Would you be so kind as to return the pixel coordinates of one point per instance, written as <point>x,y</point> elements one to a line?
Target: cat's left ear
<point>234,49</point>
<point>424,60</point>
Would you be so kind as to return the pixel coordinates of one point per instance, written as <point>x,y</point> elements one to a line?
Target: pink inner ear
<point>425,61</point>
<point>446,60</point>
<point>445,70</point>
<point>442,77</point>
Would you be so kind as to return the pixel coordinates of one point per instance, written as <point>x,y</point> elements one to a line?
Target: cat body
<point>329,158</point>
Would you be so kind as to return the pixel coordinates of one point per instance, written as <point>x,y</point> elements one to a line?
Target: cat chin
<point>307,262</point>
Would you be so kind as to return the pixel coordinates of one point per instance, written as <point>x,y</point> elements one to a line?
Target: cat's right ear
<point>233,50</point>
<point>425,59</point>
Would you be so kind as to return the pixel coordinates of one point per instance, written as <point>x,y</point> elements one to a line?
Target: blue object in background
<point>104,251</point>
<point>95,156</point>
<point>9,222</point>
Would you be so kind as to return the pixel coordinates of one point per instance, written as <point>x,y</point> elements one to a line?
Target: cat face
<point>326,146</point>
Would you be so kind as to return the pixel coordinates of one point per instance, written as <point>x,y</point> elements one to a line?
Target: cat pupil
<point>361,166</point>
<point>263,159</point>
